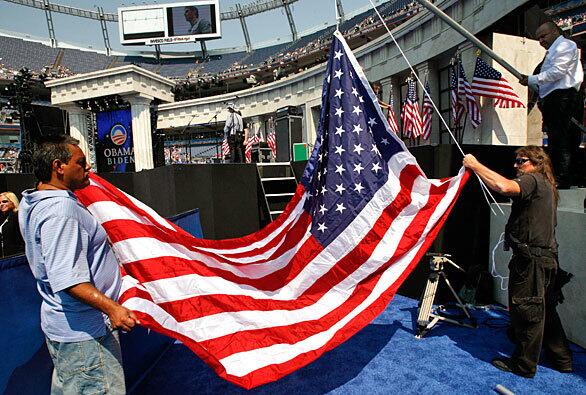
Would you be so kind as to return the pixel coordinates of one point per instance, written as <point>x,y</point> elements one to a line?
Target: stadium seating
<point>84,61</point>
<point>17,53</point>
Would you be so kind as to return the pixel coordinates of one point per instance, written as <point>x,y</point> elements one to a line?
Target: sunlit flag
<point>259,307</point>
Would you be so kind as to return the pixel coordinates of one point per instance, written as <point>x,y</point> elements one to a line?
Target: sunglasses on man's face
<point>520,161</point>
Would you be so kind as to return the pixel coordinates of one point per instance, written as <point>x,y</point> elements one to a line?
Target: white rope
<point>338,18</point>
<point>493,272</point>
<point>482,184</point>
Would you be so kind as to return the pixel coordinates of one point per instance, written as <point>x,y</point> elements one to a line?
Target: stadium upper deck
<point>219,70</point>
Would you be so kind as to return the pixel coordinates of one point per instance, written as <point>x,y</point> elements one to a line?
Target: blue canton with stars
<point>349,161</point>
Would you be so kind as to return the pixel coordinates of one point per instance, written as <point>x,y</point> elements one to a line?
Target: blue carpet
<point>385,356</point>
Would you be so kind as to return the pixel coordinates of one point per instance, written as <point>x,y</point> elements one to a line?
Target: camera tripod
<point>428,316</point>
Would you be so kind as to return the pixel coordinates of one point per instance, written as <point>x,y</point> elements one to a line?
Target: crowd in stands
<point>566,23</point>
<point>6,72</point>
<point>50,72</point>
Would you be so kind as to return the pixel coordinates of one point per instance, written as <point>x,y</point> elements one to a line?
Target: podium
<point>261,153</point>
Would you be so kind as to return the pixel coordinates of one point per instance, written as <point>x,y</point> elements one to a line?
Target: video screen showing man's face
<point>192,20</point>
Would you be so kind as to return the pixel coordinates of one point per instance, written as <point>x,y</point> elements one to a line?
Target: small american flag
<point>488,82</point>
<point>410,117</point>
<point>427,112</point>
<point>464,88</point>
<point>272,142</point>
<point>225,148</point>
<point>261,306</point>
<point>456,103</point>
<point>391,119</point>
<point>248,149</point>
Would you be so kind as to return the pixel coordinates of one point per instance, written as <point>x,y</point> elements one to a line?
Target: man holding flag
<point>259,307</point>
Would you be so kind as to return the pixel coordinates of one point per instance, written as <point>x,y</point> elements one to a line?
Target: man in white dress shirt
<point>558,85</point>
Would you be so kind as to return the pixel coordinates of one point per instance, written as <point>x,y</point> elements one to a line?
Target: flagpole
<point>338,18</point>
<point>469,36</point>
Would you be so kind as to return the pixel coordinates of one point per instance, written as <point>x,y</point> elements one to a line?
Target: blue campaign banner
<point>114,149</point>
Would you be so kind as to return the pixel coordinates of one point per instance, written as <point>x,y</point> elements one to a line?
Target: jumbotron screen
<point>169,23</point>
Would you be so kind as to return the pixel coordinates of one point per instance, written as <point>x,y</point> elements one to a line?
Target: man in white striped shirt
<point>77,274</point>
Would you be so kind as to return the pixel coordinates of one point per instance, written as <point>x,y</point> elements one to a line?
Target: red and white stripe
<point>248,149</point>
<point>427,113</point>
<point>501,91</point>
<point>225,148</point>
<point>261,306</point>
<point>411,120</point>
<point>391,119</point>
<point>489,82</point>
<point>272,142</point>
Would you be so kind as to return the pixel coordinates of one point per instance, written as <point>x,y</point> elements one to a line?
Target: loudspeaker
<point>288,130</point>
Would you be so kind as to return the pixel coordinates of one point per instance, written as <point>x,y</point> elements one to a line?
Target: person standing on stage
<point>530,233</point>
<point>234,133</point>
<point>77,274</point>
<point>558,85</point>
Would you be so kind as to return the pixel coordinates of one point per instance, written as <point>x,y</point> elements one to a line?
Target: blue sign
<point>114,149</point>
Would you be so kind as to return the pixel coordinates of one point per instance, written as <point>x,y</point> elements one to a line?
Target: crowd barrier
<point>25,366</point>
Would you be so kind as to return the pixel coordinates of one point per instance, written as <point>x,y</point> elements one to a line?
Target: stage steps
<point>278,185</point>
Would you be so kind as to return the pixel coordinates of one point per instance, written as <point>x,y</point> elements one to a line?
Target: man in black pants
<point>234,133</point>
<point>530,233</point>
<point>558,85</point>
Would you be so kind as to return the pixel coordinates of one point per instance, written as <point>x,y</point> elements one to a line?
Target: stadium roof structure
<point>237,12</point>
<point>240,12</point>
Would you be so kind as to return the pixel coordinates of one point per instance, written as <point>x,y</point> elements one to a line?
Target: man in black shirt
<point>530,233</point>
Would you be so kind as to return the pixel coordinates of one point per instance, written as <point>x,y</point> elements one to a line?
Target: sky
<point>263,28</point>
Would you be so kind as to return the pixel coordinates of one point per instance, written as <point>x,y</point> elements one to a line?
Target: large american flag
<point>465,89</point>
<point>427,112</point>
<point>490,83</point>
<point>456,102</point>
<point>410,116</point>
<point>259,307</point>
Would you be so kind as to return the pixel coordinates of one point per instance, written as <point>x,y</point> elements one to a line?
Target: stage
<point>385,357</point>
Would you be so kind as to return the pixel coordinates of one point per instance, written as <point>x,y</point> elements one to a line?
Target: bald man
<point>558,85</point>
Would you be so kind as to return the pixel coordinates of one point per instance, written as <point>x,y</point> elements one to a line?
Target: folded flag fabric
<point>259,307</point>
